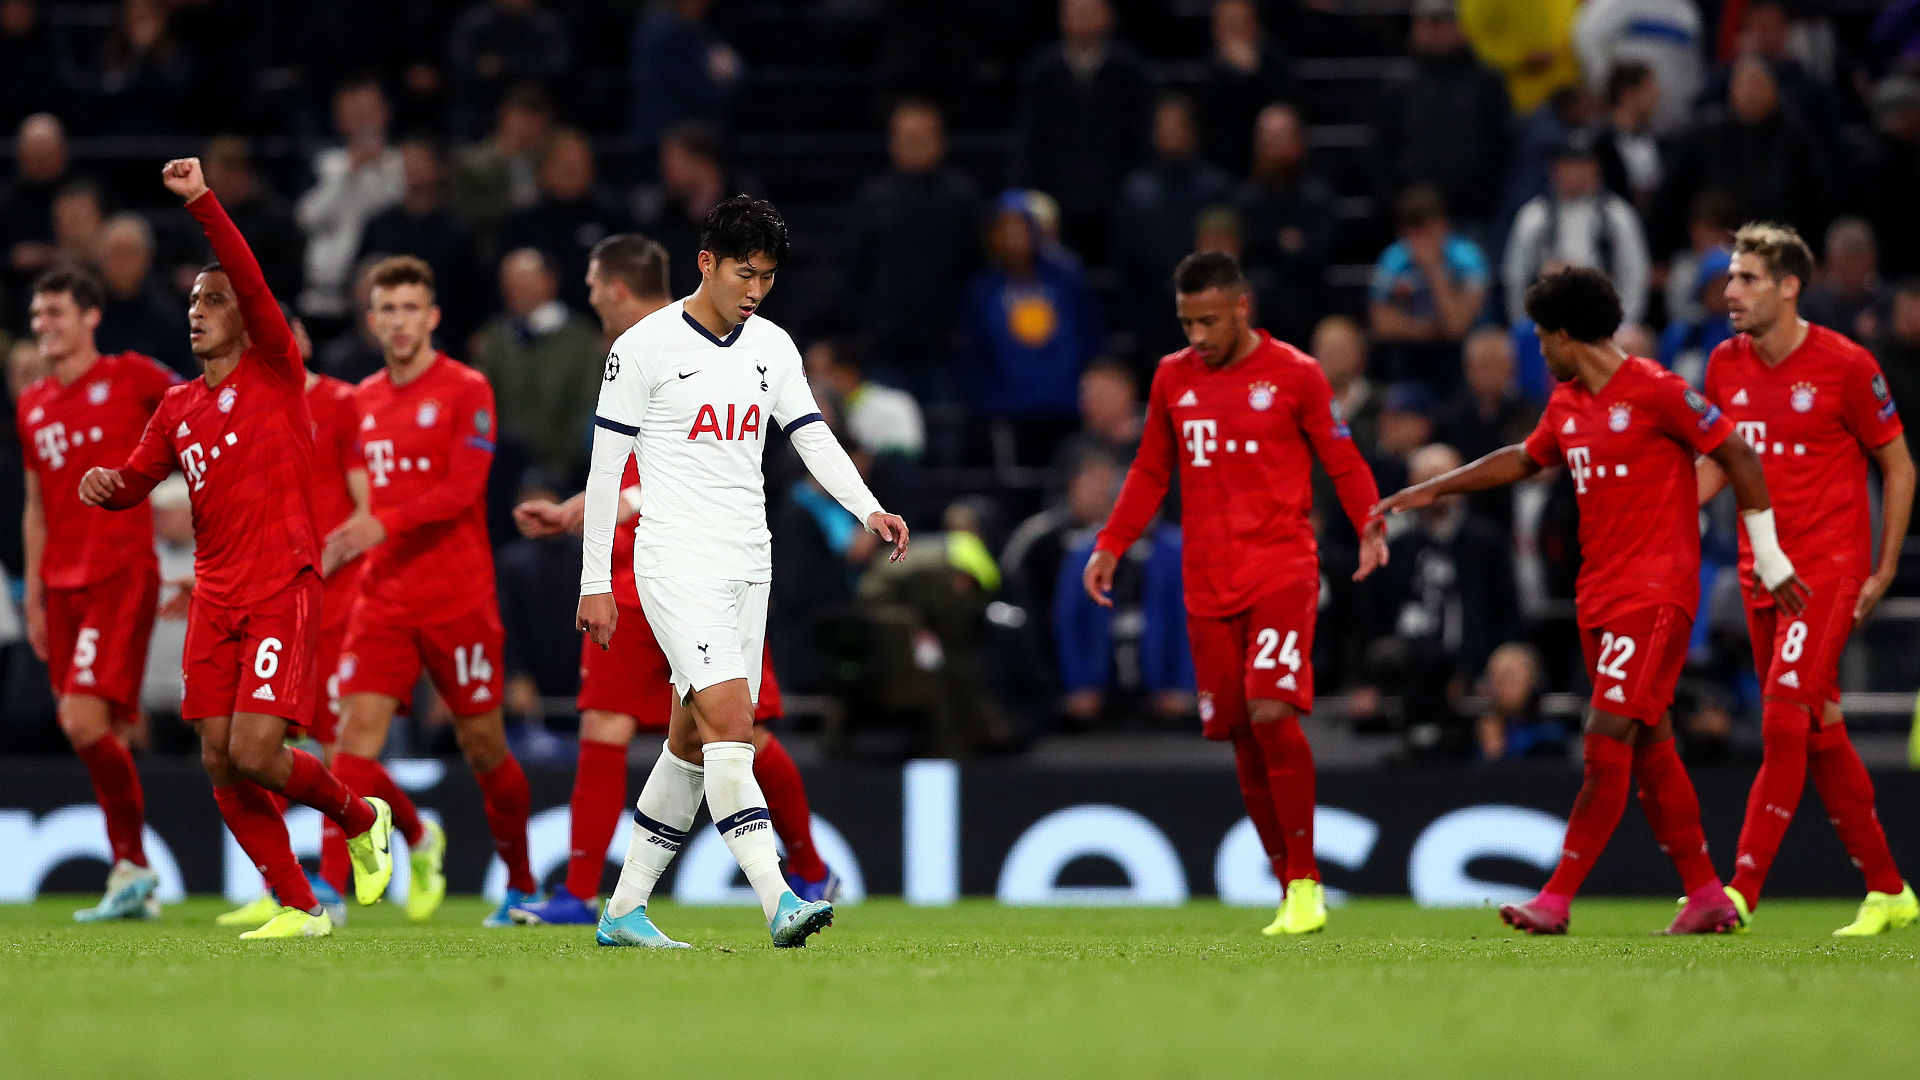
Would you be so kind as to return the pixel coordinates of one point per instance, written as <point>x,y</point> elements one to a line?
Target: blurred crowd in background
<point>987,198</point>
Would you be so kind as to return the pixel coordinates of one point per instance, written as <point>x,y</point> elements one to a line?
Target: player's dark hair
<point>1784,252</point>
<point>1579,300</point>
<point>1114,366</point>
<point>741,226</point>
<point>1418,205</point>
<point>915,101</point>
<point>1626,75</point>
<point>1205,270</point>
<point>399,270</point>
<point>76,281</point>
<point>359,80</point>
<point>635,261</point>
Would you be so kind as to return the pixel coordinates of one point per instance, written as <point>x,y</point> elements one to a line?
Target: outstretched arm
<point>1504,466</point>
<point>827,460</point>
<point>266,326</point>
<point>1770,564</point>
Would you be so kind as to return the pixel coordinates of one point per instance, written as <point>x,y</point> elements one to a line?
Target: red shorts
<point>1635,660</point>
<point>259,659</point>
<point>97,636</point>
<point>462,656</point>
<point>1798,656</point>
<point>631,676</point>
<point>336,609</point>
<point>1263,653</point>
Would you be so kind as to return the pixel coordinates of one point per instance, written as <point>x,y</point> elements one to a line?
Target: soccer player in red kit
<point>626,688</point>
<point>1815,408</point>
<point>92,580</point>
<point>1628,430</point>
<point>1240,415</point>
<point>243,437</point>
<point>427,598</point>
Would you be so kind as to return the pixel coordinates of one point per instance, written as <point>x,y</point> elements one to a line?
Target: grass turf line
<point>975,990</point>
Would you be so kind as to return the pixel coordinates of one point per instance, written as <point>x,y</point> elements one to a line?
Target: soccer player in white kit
<point>692,390</point>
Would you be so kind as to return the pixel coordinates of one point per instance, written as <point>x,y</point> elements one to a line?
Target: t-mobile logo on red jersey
<point>1580,464</point>
<point>1755,434</point>
<point>380,460</point>
<point>1199,437</point>
<point>51,441</point>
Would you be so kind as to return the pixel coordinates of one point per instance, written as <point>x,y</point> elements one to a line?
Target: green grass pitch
<point>978,990</point>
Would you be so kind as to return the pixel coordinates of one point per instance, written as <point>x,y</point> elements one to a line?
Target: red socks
<point>1673,809</point>
<point>1784,730</point>
<point>1847,790</point>
<point>1290,778</point>
<point>599,793</point>
<point>116,786</point>
<point>509,804</point>
<point>1606,778</point>
<point>368,777</point>
<point>1250,765</point>
<point>336,869</point>
<point>310,783</point>
<point>780,782</point>
<point>256,824</point>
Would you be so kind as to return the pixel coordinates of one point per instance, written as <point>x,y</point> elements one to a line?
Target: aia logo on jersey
<point>228,396</point>
<point>427,413</point>
<point>708,421</point>
<point>1802,397</point>
<point>1618,418</point>
<point>1260,396</point>
<point>97,393</point>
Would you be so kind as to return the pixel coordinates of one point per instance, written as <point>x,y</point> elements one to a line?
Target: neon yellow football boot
<point>1304,911</point>
<point>1740,907</point>
<point>372,855</point>
<point>1881,912</point>
<point>428,885</point>
<point>252,913</point>
<point>292,923</point>
<point>1279,924</point>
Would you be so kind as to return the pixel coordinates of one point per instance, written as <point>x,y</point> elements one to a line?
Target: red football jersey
<point>1631,449</point>
<point>336,436</point>
<point>1812,419</point>
<point>94,421</point>
<point>428,446</point>
<point>625,592</point>
<point>246,445</point>
<point>1241,438</point>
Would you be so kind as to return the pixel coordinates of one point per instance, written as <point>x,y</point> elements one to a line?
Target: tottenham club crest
<point>226,399</point>
<point>1802,399</point>
<point>1260,396</point>
<point>428,412</point>
<point>1618,418</point>
<point>97,393</point>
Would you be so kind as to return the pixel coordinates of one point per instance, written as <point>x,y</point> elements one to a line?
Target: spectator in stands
<point>501,174</point>
<point>1849,296</point>
<point>143,76</point>
<point>537,581</point>
<point>1028,327</point>
<point>1578,223</point>
<point>1037,552</point>
<point>692,182</point>
<point>574,212</point>
<point>923,213</point>
<point>495,44</point>
<point>26,213</point>
<point>79,210</point>
<point>1773,168</point>
<point>1711,220</point>
<point>1246,73</point>
<point>1291,223</point>
<point>1340,345</point>
<point>1153,225</point>
<point>1428,290</point>
<point>1629,150</point>
<point>1542,132</point>
<point>30,58</point>
<point>352,182</point>
<point>884,420</point>
<point>1898,350</point>
<point>1687,343</point>
<point>1881,188</point>
<point>1111,417</point>
<point>680,72</point>
<point>421,225</point>
<point>544,362</point>
<point>1444,601</point>
<point>1510,725</point>
<point>1082,122</point>
<point>139,314</point>
<point>1766,32</point>
<point>1406,425</point>
<point>161,685</point>
<point>1485,415</point>
<point>260,214</point>
<point>1446,123</point>
<point>1666,35</point>
<point>1528,41</point>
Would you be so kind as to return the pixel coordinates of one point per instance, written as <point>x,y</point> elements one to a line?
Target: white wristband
<point>1769,562</point>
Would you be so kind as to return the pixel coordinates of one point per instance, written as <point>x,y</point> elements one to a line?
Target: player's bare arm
<point>1770,564</point>
<point>1507,465</point>
<point>33,536</point>
<point>1709,479</point>
<point>1896,487</point>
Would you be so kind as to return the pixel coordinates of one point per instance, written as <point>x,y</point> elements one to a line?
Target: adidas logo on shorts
<point>1791,679</point>
<point>482,694</point>
<point>1287,683</point>
<point>1614,693</point>
<point>265,693</point>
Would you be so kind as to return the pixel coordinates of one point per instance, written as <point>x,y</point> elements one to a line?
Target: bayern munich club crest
<point>1802,399</point>
<point>97,393</point>
<point>1206,707</point>
<point>1618,418</point>
<point>226,399</point>
<point>1260,396</point>
<point>428,412</point>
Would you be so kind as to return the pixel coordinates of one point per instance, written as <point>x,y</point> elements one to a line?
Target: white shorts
<point>708,628</point>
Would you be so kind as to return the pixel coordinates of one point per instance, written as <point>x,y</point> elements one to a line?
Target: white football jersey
<point>700,408</point>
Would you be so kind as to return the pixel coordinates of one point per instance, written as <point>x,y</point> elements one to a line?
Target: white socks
<point>662,815</point>
<point>740,813</point>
